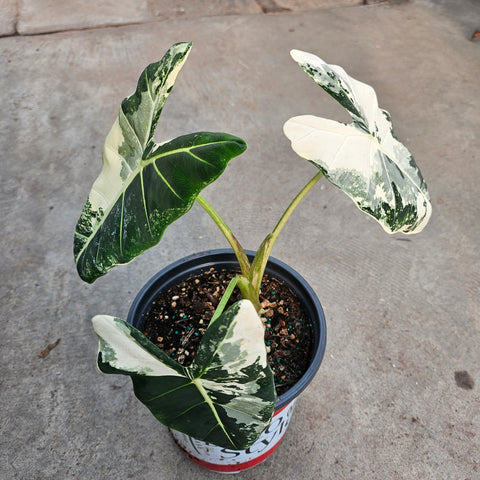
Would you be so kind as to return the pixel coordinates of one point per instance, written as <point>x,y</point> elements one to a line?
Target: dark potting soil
<point>179,318</point>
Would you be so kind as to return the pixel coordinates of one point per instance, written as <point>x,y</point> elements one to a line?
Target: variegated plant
<point>145,186</point>
<point>363,159</point>
<point>224,397</point>
<point>227,395</point>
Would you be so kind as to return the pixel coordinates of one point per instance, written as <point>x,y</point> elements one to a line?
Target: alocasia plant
<point>224,397</point>
<point>145,186</point>
<point>363,159</point>
<point>227,395</point>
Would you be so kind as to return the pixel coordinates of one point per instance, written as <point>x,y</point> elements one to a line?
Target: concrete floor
<point>402,312</point>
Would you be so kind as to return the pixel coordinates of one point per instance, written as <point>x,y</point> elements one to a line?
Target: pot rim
<point>183,268</point>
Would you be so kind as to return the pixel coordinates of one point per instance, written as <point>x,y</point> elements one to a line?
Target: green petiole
<point>226,296</point>
<point>250,281</point>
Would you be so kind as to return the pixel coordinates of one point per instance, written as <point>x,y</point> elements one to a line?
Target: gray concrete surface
<point>30,17</point>
<point>402,312</point>
<point>8,17</point>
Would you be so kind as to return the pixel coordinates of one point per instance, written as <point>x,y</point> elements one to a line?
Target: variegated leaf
<point>143,186</point>
<point>363,158</point>
<point>226,397</point>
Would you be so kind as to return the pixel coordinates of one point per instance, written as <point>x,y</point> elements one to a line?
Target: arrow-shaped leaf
<point>364,159</point>
<point>226,397</point>
<point>143,186</point>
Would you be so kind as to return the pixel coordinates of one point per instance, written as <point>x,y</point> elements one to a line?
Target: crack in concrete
<point>82,29</point>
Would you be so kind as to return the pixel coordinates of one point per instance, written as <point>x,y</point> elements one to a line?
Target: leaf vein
<point>166,182</point>
<point>132,131</point>
<point>145,202</point>
<point>169,392</point>
<point>120,237</point>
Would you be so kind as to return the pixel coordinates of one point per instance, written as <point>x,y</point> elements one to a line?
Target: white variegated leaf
<point>145,186</point>
<point>363,158</point>
<point>122,349</point>
<point>226,397</point>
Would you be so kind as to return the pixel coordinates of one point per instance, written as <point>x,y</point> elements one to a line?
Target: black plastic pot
<point>194,264</point>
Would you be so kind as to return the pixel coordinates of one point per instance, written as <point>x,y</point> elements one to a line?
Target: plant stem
<point>226,296</point>
<point>250,281</point>
<point>248,292</point>
<point>259,264</point>
<point>286,215</point>
<point>234,243</point>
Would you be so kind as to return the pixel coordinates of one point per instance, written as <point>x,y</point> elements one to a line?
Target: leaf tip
<point>187,46</point>
<point>99,321</point>
<point>303,58</point>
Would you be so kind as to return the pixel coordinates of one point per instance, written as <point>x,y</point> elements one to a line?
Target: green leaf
<point>144,186</point>
<point>363,158</point>
<point>226,397</point>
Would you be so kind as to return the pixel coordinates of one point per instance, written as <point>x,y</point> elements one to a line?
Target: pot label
<point>226,460</point>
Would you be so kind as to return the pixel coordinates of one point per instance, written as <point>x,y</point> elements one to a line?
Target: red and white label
<point>225,460</point>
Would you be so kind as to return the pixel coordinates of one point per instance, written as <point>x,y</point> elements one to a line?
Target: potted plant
<point>221,404</point>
